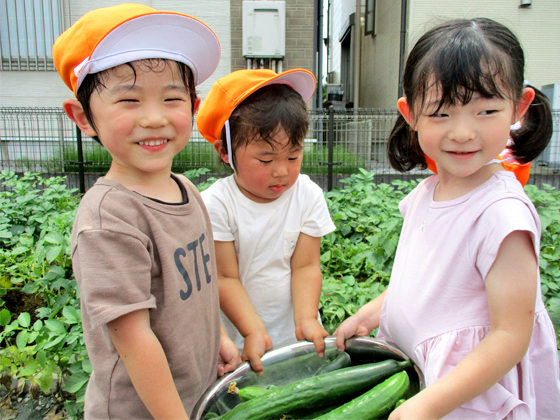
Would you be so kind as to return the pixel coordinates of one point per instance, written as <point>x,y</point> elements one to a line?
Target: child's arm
<point>228,358</point>
<point>237,306</point>
<point>361,323</point>
<point>146,364</point>
<point>511,286</point>
<point>307,282</point>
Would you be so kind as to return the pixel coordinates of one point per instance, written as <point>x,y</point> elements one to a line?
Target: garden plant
<point>42,351</point>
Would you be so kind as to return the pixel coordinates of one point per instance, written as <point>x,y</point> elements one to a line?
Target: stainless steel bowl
<point>278,372</point>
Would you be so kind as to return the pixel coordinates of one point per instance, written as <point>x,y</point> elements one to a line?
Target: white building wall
<point>537,27</point>
<point>46,89</point>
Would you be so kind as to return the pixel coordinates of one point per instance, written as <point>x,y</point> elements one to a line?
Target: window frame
<point>370,18</point>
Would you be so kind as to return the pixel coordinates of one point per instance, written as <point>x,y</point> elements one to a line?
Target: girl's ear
<point>219,146</point>
<point>406,112</point>
<point>75,112</point>
<point>523,105</point>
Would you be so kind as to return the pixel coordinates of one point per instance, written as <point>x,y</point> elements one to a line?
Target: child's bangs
<point>459,68</point>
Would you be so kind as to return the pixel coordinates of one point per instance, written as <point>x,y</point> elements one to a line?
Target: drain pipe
<point>402,46</point>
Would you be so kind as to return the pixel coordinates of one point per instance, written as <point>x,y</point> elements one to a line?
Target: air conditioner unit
<point>264,29</point>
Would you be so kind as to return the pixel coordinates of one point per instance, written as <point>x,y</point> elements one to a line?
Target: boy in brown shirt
<point>142,243</point>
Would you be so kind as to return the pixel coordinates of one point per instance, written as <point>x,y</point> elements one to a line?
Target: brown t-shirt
<point>131,253</point>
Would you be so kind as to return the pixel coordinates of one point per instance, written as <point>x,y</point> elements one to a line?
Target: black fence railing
<point>339,142</point>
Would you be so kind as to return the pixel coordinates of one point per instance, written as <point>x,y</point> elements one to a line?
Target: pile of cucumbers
<point>337,391</point>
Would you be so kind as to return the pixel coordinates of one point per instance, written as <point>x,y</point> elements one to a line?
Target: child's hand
<point>351,327</point>
<point>311,330</point>
<point>256,344</point>
<point>228,358</point>
<point>414,409</point>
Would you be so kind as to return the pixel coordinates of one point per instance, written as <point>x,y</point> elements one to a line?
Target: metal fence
<point>339,142</point>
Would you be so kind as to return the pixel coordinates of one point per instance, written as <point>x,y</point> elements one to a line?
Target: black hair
<point>461,58</point>
<point>95,81</point>
<point>263,113</point>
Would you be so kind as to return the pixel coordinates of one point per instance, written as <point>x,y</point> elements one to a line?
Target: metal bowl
<point>278,372</point>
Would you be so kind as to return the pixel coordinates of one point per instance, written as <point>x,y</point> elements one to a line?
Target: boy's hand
<point>228,358</point>
<point>352,326</point>
<point>256,344</point>
<point>311,330</point>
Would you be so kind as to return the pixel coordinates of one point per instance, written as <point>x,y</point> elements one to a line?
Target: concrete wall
<point>299,35</point>
<point>46,89</point>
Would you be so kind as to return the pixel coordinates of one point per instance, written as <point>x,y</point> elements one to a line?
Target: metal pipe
<point>402,46</point>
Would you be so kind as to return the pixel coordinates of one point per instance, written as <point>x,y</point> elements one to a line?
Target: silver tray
<point>277,372</point>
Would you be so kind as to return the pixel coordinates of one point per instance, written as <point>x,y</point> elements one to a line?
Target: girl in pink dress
<point>464,300</point>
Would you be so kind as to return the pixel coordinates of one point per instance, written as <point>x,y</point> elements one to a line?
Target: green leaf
<point>24,319</point>
<point>75,382</point>
<point>71,314</point>
<point>45,380</point>
<point>55,326</point>
<point>5,317</point>
<point>22,340</point>
<point>41,357</point>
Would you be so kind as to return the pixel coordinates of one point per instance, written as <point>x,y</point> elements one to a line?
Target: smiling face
<point>463,138</point>
<point>143,118</point>
<point>263,172</point>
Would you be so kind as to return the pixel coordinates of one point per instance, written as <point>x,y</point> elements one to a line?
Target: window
<point>370,17</point>
<point>28,29</point>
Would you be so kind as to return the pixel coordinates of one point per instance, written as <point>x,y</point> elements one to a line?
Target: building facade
<point>369,39</point>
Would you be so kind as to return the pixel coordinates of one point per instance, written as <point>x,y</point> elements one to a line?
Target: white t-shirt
<point>265,236</point>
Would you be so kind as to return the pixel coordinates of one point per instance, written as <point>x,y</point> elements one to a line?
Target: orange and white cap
<point>229,91</point>
<point>111,36</point>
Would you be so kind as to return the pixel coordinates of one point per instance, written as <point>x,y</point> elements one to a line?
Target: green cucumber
<point>313,392</point>
<point>376,402</point>
<point>250,392</point>
<point>399,402</point>
<point>335,361</point>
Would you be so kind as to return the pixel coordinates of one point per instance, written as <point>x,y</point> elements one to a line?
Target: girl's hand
<point>256,344</point>
<point>414,409</point>
<point>228,358</point>
<point>355,325</point>
<point>311,330</point>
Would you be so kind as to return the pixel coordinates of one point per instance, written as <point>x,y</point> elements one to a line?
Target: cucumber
<point>250,392</point>
<point>335,361</point>
<point>315,391</point>
<point>399,402</point>
<point>376,402</point>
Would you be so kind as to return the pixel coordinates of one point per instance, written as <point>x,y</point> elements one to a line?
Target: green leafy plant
<point>41,342</point>
<point>547,202</point>
<point>357,257</point>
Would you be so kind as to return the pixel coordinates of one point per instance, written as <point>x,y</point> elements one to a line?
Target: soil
<point>17,302</point>
<point>19,403</point>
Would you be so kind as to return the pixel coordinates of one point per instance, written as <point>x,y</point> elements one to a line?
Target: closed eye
<point>264,161</point>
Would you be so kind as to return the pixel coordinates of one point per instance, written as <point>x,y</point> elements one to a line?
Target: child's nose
<point>153,118</point>
<point>462,131</point>
<point>280,170</point>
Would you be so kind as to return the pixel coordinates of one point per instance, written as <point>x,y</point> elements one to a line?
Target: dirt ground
<point>20,403</point>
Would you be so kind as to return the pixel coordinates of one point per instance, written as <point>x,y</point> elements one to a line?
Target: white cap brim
<point>167,36</point>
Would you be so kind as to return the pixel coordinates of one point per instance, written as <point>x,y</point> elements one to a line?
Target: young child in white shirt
<point>267,218</point>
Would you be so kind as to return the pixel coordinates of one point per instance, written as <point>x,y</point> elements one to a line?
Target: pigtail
<point>536,130</point>
<point>403,150</point>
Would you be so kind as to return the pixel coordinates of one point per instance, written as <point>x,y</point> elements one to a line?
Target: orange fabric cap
<point>229,91</point>
<point>521,171</point>
<point>111,36</point>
